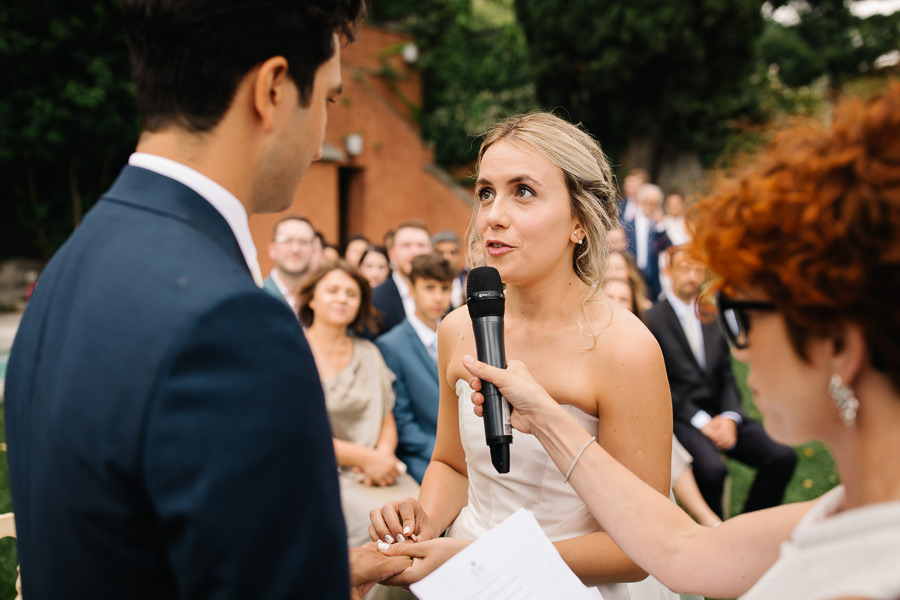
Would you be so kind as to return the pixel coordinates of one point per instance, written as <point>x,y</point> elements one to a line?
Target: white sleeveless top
<point>533,482</point>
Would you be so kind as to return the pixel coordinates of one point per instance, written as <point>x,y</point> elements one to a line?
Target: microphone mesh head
<point>484,291</point>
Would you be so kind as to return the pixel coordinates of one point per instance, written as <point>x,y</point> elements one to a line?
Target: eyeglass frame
<point>285,240</point>
<point>724,303</point>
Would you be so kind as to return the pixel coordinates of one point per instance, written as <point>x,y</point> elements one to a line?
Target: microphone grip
<point>497,428</point>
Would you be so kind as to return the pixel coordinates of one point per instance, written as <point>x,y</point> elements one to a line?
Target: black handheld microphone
<point>484,298</point>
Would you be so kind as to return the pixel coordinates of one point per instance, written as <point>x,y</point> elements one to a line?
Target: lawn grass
<point>814,476</point>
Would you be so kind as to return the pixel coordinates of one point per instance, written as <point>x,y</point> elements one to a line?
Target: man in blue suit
<point>410,351</point>
<point>166,426</point>
<point>647,238</point>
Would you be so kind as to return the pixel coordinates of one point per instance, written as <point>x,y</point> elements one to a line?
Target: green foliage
<point>474,67</point>
<point>66,115</point>
<point>828,41</point>
<point>668,71</point>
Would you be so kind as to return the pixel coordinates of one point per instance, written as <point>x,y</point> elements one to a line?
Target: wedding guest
<point>374,265</point>
<point>708,418</point>
<point>335,301</point>
<point>355,248</point>
<point>410,351</point>
<point>291,252</point>
<point>805,241</point>
<point>392,299</point>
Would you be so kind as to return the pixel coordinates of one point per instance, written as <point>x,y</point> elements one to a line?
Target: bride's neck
<point>547,298</point>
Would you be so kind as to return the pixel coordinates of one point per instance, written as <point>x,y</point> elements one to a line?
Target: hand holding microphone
<point>486,304</point>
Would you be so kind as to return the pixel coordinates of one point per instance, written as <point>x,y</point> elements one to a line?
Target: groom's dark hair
<point>189,56</point>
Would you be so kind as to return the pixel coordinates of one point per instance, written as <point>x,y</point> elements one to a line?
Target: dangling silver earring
<point>844,399</point>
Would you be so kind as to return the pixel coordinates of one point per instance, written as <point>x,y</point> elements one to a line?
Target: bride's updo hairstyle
<point>588,178</point>
<point>815,223</point>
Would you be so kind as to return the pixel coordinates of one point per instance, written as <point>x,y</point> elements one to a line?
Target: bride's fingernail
<point>399,537</point>
<point>382,546</point>
<point>406,529</point>
<point>389,539</point>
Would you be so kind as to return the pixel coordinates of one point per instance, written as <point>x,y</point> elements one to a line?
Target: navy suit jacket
<point>693,388</point>
<point>166,425</point>
<point>417,391</point>
<point>386,298</point>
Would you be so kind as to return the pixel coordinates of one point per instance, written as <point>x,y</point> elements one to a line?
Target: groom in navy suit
<point>166,426</point>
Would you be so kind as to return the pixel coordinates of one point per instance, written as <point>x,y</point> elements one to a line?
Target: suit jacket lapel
<point>419,348</point>
<point>675,323</point>
<point>151,191</point>
<point>710,345</point>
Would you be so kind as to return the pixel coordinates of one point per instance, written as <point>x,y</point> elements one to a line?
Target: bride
<point>545,202</point>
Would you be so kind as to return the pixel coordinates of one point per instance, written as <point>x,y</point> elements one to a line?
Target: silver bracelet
<point>577,456</point>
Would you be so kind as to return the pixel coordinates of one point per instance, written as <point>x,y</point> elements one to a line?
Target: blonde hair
<point>587,174</point>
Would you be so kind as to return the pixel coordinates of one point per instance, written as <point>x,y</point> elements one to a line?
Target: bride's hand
<point>401,520</point>
<point>517,385</point>
<point>426,557</point>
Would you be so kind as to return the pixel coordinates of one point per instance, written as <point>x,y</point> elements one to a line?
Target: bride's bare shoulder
<point>456,323</point>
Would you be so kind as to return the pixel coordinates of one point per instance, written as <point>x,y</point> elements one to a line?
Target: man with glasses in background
<point>708,419</point>
<point>291,250</point>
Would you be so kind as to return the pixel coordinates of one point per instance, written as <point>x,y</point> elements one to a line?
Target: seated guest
<point>708,418</point>
<point>375,265</point>
<point>392,298</point>
<point>355,248</point>
<point>358,394</point>
<point>448,245</point>
<point>647,237</point>
<point>410,351</point>
<point>291,249</point>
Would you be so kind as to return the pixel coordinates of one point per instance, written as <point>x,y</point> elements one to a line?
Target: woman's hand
<point>401,520</point>
<point>426,557</point>
<point>380,468</point>
<point>517,385</point>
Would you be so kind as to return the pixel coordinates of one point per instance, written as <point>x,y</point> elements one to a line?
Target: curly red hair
<point>815,222</point>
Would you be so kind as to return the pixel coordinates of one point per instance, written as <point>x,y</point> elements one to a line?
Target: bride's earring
<point>844,399</point>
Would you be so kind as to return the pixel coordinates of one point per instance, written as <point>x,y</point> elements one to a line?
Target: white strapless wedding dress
<point>534,483</point>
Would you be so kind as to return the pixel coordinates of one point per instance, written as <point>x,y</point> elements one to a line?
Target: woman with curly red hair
<point>806,246</point>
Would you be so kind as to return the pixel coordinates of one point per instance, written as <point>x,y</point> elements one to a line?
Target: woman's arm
<point>387,438</point>
<point>444,489</point>
<point>377,467</point>
<point>651,529</point>
<point>627,380</point>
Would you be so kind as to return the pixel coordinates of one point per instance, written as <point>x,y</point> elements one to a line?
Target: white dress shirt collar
<point>409,305</point>
<point>221,199</point>
<point>428,337</point>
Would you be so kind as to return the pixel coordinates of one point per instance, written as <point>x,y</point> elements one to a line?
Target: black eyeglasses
<point>733,319</point>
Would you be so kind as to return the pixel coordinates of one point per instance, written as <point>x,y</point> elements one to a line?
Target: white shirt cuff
<point>700,419</point>
<point>736,417</point>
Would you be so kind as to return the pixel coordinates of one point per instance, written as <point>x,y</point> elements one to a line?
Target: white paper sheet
<point>513,561</point>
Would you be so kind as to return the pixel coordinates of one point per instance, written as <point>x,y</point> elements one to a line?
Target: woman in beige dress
<point>358,394</point>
